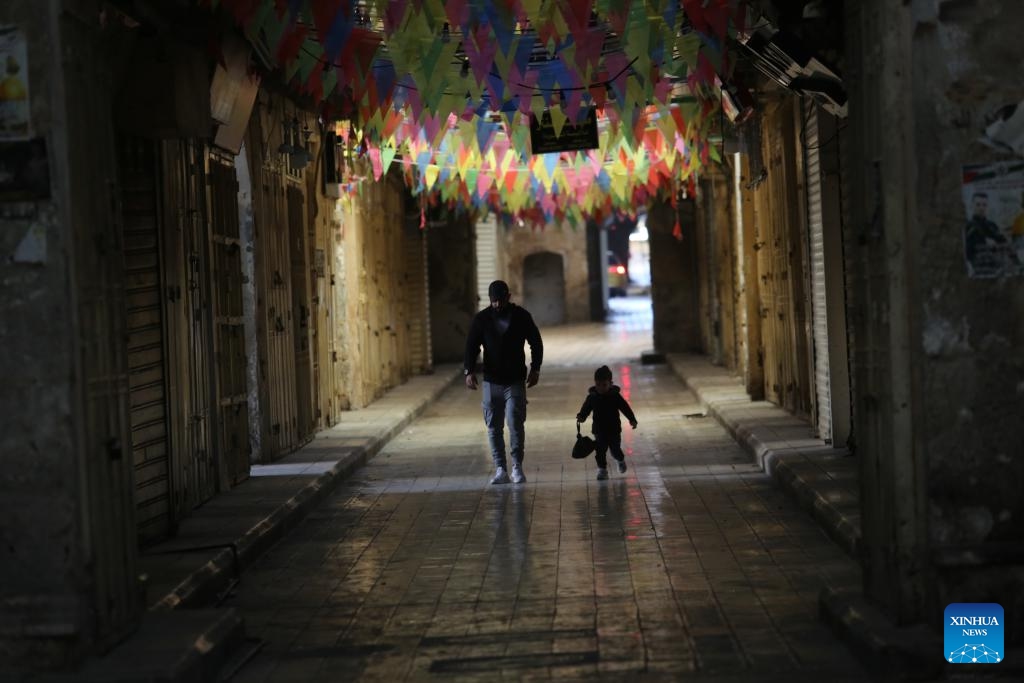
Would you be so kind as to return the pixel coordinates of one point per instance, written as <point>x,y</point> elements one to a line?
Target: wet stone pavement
<point>690,566</point>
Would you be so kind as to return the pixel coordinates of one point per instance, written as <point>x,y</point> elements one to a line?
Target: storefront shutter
<point>819,315</point>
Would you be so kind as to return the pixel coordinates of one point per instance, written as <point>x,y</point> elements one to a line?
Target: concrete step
<point>179,646</point>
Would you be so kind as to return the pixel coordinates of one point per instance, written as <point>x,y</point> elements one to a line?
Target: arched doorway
<point>544,287</point>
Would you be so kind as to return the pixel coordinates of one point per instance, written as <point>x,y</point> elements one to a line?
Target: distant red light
<point>621,270</point>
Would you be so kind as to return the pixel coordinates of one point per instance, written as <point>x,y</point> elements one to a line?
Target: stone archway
<point>544,287</point>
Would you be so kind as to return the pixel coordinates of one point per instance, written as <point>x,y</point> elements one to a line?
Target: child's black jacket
<point>606,409</point>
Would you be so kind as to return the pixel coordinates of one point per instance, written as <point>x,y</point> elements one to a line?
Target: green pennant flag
<point>437,15</point>
<point>532,9</point>
<point>558,118</point>
<point>713,152</point>
<point>521,140</point>
<point>714,55</point>
<point>330,81</point>
<point>471,176</point>
<point>387,155</point>
<point>688,45</point>
<point>260,18</point>
<point>537,106</point>
<point>308,58</point>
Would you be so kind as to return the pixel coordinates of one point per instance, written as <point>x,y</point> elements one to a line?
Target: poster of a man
<point>992,195</point>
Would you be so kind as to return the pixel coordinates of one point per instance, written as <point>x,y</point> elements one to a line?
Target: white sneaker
<point>602,473</point>
<point>622,466</point>
<point>517,475</point>
<point>500,476</point>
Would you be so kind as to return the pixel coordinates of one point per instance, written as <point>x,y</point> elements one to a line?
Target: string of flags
<point>449,88</point>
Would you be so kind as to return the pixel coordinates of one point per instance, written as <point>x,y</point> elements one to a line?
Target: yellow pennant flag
<point>430,175</point>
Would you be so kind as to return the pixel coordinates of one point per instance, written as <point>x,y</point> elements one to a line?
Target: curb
<point>202,586</point>
<point>169,647</point>
<point>887,651</point>
<point>777,464</point>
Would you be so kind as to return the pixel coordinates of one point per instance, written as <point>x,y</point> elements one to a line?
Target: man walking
<point>502,329</point>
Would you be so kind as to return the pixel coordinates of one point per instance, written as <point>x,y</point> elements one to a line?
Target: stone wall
<point>971,331</point>
<point>567,243</point>
<point>938,356</point>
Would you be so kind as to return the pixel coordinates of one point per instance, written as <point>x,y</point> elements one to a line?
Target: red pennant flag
<point>291,43</point>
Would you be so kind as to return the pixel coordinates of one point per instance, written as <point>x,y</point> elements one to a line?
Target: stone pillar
<point>938,356</point>
<point>748,306</point>
<point>67,523</point>
<point>674,283</point>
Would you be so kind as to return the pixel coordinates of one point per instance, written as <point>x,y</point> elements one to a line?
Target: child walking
<point>605,401</point>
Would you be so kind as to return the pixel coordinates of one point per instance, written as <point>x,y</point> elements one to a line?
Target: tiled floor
<point>691,566</point>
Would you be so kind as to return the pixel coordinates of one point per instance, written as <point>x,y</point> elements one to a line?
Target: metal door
<point>544,287</point>
<point>274,328</point>
<point>192,472</point>
<point>781,268</point>
<point>297,241</point>
<point>229,322</point>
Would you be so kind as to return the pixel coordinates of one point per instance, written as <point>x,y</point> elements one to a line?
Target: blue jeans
<point>505,402</point>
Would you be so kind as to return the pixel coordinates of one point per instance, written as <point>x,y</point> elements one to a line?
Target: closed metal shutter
<point>819,314</point>
<point>486,258</point>
<point>419,301</point>
<point>147,385</point>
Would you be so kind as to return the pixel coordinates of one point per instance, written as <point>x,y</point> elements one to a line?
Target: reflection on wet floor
<point>690,566</point>
<point>625,334</point>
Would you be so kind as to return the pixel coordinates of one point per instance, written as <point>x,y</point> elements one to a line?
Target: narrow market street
<point>692,565</point>
<point>244,245</point>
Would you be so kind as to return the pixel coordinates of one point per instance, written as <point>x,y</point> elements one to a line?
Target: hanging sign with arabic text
<point>544,138</point>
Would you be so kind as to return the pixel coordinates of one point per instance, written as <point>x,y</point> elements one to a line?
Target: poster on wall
<point>24,171</point>
<point>993,234</point>
<point>14,102</point>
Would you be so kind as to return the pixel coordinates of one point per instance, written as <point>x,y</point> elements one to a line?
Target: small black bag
<point>584,445</point>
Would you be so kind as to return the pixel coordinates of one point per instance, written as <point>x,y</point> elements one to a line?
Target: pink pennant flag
<point>588,47</point>
<point>523,87</point>
<point>457,12</point>
<point>663,89</point>
<point>573,104</point>
<point>378,167</point>
<point>480,49</point>
<point>483,184</point>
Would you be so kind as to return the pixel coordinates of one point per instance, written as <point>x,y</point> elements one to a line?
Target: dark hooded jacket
<point>503,339</point>
<point>606,408</point>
